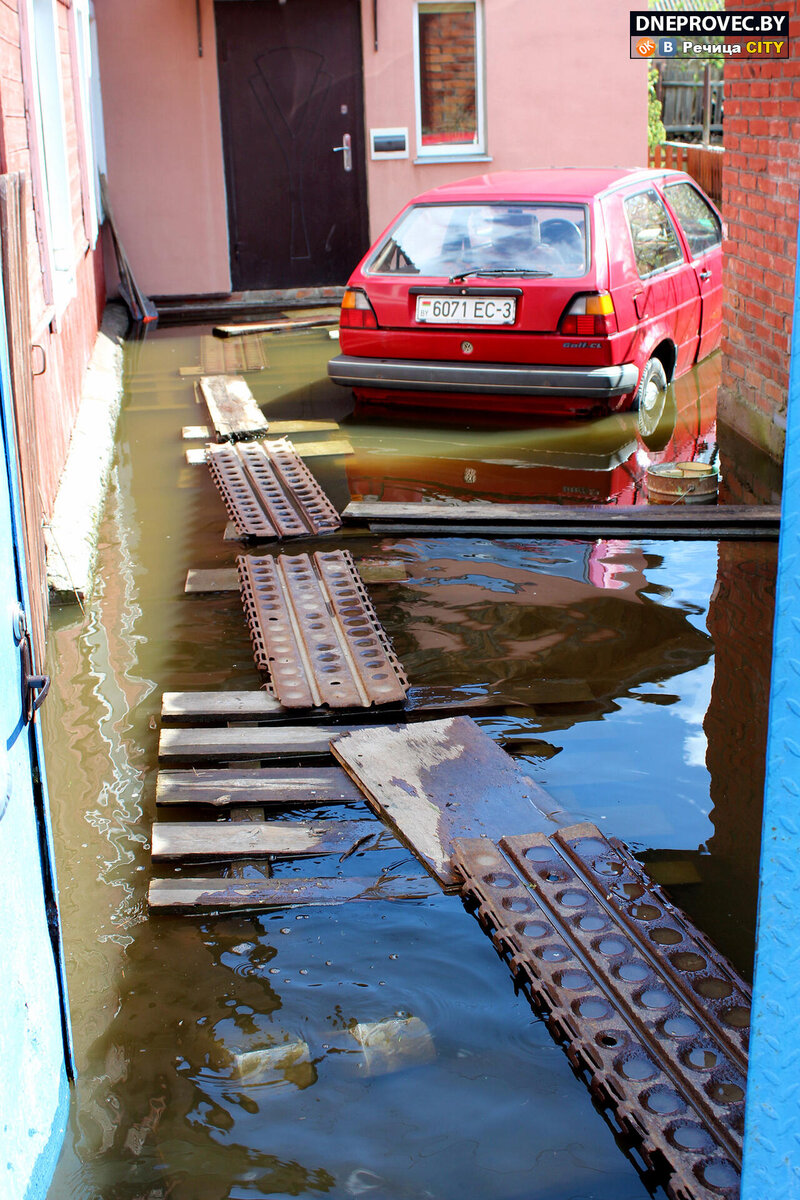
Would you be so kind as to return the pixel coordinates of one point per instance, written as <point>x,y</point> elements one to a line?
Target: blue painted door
<point>35,1053</point>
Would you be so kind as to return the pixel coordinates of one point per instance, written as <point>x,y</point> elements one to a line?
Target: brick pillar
<point>760,183</point>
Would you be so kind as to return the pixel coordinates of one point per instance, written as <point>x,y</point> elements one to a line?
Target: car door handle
<point>346,150</point>
<point>704,275</point>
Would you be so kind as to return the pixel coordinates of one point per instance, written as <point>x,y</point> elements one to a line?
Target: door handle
<point>346,150</point>
<point>704,275</point>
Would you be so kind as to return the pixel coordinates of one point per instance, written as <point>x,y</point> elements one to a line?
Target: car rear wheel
<point>649,401</point>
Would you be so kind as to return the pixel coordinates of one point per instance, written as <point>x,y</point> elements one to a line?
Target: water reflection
<point>570,462</point>
<point>175,1018</point>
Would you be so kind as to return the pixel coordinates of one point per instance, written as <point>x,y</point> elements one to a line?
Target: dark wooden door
<point>290,91</point>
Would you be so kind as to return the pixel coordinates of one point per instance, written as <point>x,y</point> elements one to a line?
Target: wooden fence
<point>691,98</point>
<point>703,163</point>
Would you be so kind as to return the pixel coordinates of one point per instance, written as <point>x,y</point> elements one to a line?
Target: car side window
<point>655,243</point>
<point>697,218</point>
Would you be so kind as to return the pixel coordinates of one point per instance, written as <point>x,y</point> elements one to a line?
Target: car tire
<point>650,398</point>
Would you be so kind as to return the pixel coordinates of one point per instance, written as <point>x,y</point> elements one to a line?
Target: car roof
<point>563,183</point>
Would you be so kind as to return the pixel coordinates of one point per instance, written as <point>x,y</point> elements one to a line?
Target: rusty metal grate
<point>648,1010</point>
<point>268,490</point>
<point>315,631</point>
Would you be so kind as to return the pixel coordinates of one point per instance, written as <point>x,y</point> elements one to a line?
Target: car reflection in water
<point>569,462</point>
<point>572,610</point>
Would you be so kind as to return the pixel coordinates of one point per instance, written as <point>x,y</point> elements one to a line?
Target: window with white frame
<point>448,56</point>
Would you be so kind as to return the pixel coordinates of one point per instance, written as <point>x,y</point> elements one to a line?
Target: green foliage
<point>656,133</point>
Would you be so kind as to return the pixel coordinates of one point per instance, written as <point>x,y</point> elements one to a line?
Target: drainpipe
<point>772,1119</point>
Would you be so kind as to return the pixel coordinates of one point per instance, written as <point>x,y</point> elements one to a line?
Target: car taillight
<point>357,312</point>
<point>590,316</point>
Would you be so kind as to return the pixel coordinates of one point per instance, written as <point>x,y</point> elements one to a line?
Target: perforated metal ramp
<point>652,1015</point>
<point>315,631</point>
<point>269,492</point>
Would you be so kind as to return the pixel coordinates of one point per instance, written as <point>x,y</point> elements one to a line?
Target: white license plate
<point>466,310</point>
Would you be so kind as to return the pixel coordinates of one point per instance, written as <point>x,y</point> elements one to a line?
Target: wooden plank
<point>226,331</point>
<point>195,433</point>
<point>388,571</point>
<point>236,357</point>
<point>285,428</point>
<point>273,787</point>
<point>305,449</point>
<point>221,707</point>
<point>226,579</point>
<point>348,531</point>
<point>232,408</point>
<point>611,516</point>
<point>249,814</point>
<point>213,895</point>
<point>586,532</point>
<point>274,839</point>
<point>324,449</point>
<point>223,579</point>
<point>244,742</point>
<point>436,781</point>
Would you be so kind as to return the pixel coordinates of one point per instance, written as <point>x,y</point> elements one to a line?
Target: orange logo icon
<point>645,47</point>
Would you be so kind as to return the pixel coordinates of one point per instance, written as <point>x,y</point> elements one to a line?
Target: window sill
<point>451,158</point>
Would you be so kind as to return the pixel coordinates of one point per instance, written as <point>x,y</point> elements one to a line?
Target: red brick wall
<point>67,337</point>
<point>447,59</point>
<point>760,183</point>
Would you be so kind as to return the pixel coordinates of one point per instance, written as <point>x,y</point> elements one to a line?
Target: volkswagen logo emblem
<point>467,347</point>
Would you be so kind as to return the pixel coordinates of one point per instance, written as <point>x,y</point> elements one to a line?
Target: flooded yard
<point>658,654</point>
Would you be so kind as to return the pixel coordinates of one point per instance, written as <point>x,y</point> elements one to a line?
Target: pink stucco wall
<point>164,143</point>
<point>560,90</point>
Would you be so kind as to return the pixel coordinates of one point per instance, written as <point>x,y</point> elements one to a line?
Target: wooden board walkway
<point>335,448</point>
<point>232,408</point>
<point>437,781</point>
<point>187,840</point>
<point>270,787</point>
<point>215,708</point>
<point>269,492</point>
<point>285,325</point>
<point>226,579</point>
<point>226,895</point>
<point>240,743</point>
<point>202,433</point>
<point>235,357</point>
<point>689,521</point>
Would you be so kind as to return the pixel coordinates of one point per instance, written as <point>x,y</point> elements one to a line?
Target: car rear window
<point>443,240</point>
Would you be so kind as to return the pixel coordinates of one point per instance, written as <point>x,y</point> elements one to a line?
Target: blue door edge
<point>41,798</point>
<point>771,1164</point>
<point>45,1166</point>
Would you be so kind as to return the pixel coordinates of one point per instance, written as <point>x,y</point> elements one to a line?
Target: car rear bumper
<point>594,383</point>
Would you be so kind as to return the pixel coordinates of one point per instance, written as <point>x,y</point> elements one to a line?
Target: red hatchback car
<point>542,291</point>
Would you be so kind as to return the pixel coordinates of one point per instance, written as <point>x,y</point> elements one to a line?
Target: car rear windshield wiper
<point>487,273</point>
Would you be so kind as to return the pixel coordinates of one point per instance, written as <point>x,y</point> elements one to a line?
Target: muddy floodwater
<point>658,653</point>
